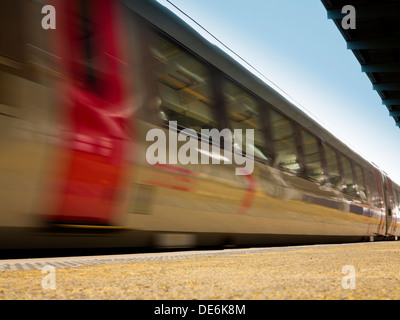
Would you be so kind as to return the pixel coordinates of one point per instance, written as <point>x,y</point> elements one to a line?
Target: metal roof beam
<point>390,102</point>
<point>393,86</point>
<point>379,43</point>
<point>394,113</point>
<point>381,67</point>
<point>369,11</point>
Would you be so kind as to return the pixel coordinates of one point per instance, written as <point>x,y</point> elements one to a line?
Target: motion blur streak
<point>96,144</point>
<point>77,102</point>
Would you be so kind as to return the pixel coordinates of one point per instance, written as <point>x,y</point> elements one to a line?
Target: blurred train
<point>76,104</point>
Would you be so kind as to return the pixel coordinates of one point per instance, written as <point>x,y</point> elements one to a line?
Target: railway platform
<point>359,271</point>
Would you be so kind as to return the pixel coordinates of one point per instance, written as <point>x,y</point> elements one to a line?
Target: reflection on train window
<point>348,186</point>
<point>360,181</point>
<point>184,86</point>
<point>373,187</point>
<point>284,142</point>
<point>312,157</point>
<point>243,114</point>
<point>332,167</point>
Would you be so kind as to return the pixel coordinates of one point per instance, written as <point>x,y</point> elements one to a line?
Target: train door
<point>93,94</point>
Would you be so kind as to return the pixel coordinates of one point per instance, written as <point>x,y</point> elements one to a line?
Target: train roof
<point>165,20</point>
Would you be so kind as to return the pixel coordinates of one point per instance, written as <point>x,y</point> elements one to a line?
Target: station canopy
<point>375,41</point>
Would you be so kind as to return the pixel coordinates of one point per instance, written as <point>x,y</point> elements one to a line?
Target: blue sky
<point>303,53</point>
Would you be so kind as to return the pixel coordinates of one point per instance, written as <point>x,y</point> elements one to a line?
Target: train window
<point>184,86</point>
<point>312,157</point>
<point>332,167</point>
<point>360,181</point>
<point>284,142</point>
<point>243,114</point>
<point>349,185</point>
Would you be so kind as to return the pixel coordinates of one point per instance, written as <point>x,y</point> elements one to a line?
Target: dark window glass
<point>184,86</point>
<point>349,185</point>
<point>332,167</point>
<point>360,181</point>
<point>312,157</point>
<point>284,142</point>
<point>243,114</point>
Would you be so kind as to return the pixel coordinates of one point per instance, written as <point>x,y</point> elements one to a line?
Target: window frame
<point>338,163</point>
<point>219,106</point>
<point>216,106</point>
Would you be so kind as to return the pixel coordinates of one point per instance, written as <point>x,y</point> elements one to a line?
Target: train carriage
<point>76,107</point>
